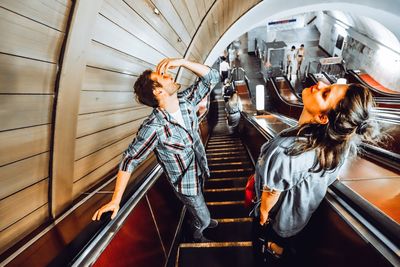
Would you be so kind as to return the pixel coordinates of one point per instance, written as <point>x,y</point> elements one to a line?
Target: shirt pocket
<point>175,145</point>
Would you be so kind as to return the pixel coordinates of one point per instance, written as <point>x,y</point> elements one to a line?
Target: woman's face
<point>320,98</point>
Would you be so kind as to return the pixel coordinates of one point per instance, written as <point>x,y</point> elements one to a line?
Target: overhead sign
<point>331,60</point>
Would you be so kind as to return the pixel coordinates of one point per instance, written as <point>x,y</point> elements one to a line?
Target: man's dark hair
<point>293,47</point>
<point>143,87</point>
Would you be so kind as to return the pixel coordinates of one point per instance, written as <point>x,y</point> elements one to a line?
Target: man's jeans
<point>199,211</point>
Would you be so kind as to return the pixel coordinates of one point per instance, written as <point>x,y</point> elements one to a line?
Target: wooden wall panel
<point>104,57</point>
<point>21,174</point>
<point>38,77</point>
<point>91,143</point>
<point>17,111</point>
<point>23,227</point>
<point>104,80</point>
<point>17,206</point>
<point>88,181</point>
<point>53,13</point>
<point>112,35</point>
<point>121,14</point>
<point>192,6</point>
<point>87,164</point>
<point>22,143</point>
<point>169,13</point>
<point>183,11</point>
<point>95,122</point>
<point>93,101</point>
<point>24,37</point>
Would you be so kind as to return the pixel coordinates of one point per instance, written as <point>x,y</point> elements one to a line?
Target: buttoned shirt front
<point>179,150</point>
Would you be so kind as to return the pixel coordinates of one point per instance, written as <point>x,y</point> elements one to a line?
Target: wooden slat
<point>89,180</point>
<point>53,13</point>
<point>110,34</point>
<point>188,76</point>
<point>94,142</point>
<point>103,101</point>
<point>87,164</point>
<point>169,13</point>
<point>194,13</point>
<point>17,206</point>
<point>103,80</point>
<point>91,123</point>
<point>20,229</point>
<point>24,37</point>
<point>17,111</point>
<point>182,9</point>
<point>94,177</point>
<point>20,144</point>
<point>214,20</point>
<point>37,77</point>
<point>153,34</point>
<point>105,57</point>
<point>21,174</point>
<point>201,8</point>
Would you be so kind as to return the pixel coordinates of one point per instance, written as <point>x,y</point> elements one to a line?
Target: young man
<point>172,131</point>
<point>224,69</point>
<point>290,57</point>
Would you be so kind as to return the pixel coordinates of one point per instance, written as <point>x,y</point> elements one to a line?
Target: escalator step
<point>231,173</point>
<point>224,194</point>
<point>230,230</point>
<point>227,209</point>
<point>226,159</point>
<point>227,165</point>
<point>228,153</point>
<point>227,149</point>
<point>226,183</point>
<point>216,254</point>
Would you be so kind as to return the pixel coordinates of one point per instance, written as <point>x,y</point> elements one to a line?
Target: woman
<point>300,57</point>
<point>233,107</point>
<point>295,168</point>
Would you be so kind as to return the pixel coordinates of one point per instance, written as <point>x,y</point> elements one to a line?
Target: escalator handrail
<point>358,78</point>
<point>96,246</point>
<point>292,89</point>
<point>381,221</point>
<point>271,80</point>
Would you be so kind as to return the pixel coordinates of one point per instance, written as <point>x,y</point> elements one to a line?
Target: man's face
<point>167,82</point>
<point>320,98</point>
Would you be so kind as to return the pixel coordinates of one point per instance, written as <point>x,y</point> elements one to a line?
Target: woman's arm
<point>268,200</point>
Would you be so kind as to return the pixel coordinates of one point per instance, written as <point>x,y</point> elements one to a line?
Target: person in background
<point>233,107</point>
<point>171,131</point>
<point>295,168</point>
<point>224,69</point>
<point>231,56</point>
<point>290,59</point>
<point>300,57</point>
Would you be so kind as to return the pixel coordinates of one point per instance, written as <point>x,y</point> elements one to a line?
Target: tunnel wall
<point>67,106</point>
<point>31,34</point>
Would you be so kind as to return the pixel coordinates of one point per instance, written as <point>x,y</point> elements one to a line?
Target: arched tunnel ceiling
<point>247,14</point>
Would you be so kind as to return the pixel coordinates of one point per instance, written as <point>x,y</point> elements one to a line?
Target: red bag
<point>250,193</point>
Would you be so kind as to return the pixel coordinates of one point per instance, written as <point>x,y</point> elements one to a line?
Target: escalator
<point>357,76</point>
<point>150,230</point>
<point>230,166</point>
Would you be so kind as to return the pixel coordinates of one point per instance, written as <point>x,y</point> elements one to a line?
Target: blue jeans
<point>199,212</point>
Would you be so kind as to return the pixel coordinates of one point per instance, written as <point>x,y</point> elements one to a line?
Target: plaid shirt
<point>179,149</point>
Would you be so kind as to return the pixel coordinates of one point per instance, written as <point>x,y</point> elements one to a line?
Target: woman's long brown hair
<point>349,124</point>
